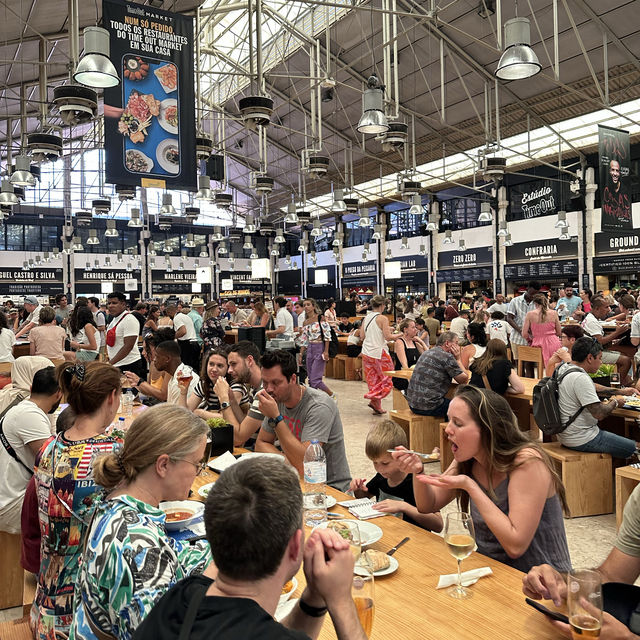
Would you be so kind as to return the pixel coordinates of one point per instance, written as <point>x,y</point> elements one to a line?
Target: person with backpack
<point>580,407</point>
<point>315,341</point>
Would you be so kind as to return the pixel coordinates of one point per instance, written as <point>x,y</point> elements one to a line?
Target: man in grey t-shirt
<point>295,415</point>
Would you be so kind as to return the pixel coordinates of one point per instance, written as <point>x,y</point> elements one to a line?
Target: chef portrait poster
<point>150,115</point>
<point>614,159</point>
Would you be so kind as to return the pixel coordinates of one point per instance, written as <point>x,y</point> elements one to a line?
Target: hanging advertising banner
<point>533,199</point>
<point>149,117</point>
<point>615,192</point>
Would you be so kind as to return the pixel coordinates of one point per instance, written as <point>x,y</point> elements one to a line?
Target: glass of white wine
<point>584,601</point>
<point>460,538</point>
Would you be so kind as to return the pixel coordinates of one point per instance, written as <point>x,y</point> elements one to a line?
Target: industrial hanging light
<point>152,251</point>
<point>562,220</point>
<point>204,188</point>
<point>287,259</point>
<point>135,221</point>
<point>38,260</point>
<point>405,243</point>
<point>95,69</point>
<point>152,263</point>
<point>231,259</point>
<point>302,247</point>
<point>56,254</point>
<point>119,259</point>
<point>93,237</point>
<point>96,264</point>
<point>76,244</point>
<point>7,193</point>
<point>485,212</point>
<point>167,247</point>
<point>519,60</point>
<point>190,242</point>
<point>507,240</point>
<point>416,205</point>
<point>88,267</point>
<point>432,225</point>
<point>365,219</point>
<point>169,268</point>
<point>222,249</point>
<point>377,232</point>
<point>217,235</point>
<point>338,202</point>
<point>317,229</point>
<point>66,248</point>
<point>502,229</point>
<point>25,266</point>
<point>254,254</point>
<point>247,243</point>
<point>447,237</point>
<point>203,252</point>
<point>422,251</point>
<point>373,118</point>
<point>167,208</point>
<point>461,245</point>
<point>564,234</point>
<point>274,252</point>
<point>389,254</point>
<point>111,231</point>
<point>279,239</point>
<point>22,176</point>
<point>250,226</point>
<point>292,214</point>
<point>46,258</point>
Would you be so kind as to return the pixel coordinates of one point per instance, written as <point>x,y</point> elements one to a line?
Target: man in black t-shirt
<point>253,519</point>
<point>344,326</point>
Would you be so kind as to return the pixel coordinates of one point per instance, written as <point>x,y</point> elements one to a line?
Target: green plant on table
<point>603,371</point>
<point>215,423</point>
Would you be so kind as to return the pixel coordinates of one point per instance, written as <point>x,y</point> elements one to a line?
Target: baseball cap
<point>31,300</point>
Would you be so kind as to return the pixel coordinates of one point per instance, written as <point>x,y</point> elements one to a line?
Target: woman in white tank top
<point>375,332</point>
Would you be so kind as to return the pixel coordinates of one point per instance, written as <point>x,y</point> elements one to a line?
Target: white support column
<point>498,248</point>
<point>590,198</point>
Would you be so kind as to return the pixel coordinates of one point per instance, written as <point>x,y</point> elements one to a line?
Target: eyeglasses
<point>200,466</point>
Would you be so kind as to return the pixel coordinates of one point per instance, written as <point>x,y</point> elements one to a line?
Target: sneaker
<point>334,397</point>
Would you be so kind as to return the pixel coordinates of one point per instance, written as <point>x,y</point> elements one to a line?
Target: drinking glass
<point>584,601</point>
<point>185,375</point>
<point>460,538</point>
<point>351,533</point>
<point>362,594</point>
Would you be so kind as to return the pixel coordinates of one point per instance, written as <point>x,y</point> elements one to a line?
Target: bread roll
<point>376,560</point>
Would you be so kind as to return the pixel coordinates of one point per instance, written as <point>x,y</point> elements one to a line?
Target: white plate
<point>369,532</point>
<point>162,119</point>
<point>204,490</point>
<point>257,454</point>
<point>284,609</point>
<point>393,566</point>
<point>143,156</point>
<point>285,596</point>
<point>162,161</point>
<point>196,508</point>
<point>330,500</point>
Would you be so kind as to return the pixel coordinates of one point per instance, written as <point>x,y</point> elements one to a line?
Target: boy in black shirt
<point>391,486</point>
<point>344,326</point>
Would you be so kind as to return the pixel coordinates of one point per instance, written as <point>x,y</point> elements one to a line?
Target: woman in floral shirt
<point>314,341</point>
<point>67,491</point>
<point>129,561</point>
<point>212,333</point>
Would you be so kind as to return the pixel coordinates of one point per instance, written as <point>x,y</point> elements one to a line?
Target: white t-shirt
<point>173,390</point>
<point>575,391</point>
<point>34,316</point>
<point>22,424</point>
<point>99,319</point>
<point>459,327</point>
<point>284,319</point>
<point>635,326</point>
<point>592,326</point>
<point>496,306</point>
<point>498,329</point>
<point>183,320</point>
<point>7,340</point>
<point>125,328</point>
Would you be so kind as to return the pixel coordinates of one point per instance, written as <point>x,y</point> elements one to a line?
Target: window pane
<point>14,237</point>
<point>50,238</point>
<point>32,237</point>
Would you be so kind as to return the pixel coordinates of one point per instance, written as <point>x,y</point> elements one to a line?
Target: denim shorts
<point>607,442</point>
<point>440,410</point>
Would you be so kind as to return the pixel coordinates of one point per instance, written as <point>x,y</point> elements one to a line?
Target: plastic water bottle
<point>127,403</point>
<point>315,479</point>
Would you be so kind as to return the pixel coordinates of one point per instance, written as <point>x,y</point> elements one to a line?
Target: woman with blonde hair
<point>374,333</point>
<point>262,316</point>
<point>130,562</point>
<point>504,479</point>
<point>542,327</point>
<point>67,489</point>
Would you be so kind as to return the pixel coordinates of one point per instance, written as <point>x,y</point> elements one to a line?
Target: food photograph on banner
<point>615,195</point>
<point>149,116</point>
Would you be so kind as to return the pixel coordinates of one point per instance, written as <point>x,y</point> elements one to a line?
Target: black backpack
<point>545,403</point>
<point>333,343</point>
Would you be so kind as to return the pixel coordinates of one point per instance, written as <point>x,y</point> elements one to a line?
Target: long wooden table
<point>408,606</point>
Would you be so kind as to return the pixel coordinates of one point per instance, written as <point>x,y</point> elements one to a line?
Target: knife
<point>394,549</point>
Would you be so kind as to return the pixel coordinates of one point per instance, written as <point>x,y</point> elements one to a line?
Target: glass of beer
<point>185,375</point>
<point>584,601</point>
<point>362,594</point>
<point>460,538</point>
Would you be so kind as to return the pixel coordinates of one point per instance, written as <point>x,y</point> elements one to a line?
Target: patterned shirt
<point>311,333</point>
<point>129,564</point>
<point>519,308</point>
<point>212,403</point>
<point>431,379</point>
<point>64,483</point>
<point>212,333</point>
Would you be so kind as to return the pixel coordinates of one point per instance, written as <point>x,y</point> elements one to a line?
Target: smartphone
<point>554,615</point>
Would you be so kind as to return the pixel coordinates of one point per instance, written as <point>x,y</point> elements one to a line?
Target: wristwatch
<point>224,405</point>
<point>273,422</point>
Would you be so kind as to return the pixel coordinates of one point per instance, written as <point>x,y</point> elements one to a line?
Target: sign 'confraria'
<point>541,250</point>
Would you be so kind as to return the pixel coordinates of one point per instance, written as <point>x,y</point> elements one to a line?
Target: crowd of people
<point>86,501</point>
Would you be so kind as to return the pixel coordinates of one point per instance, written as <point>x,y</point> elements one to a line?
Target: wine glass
<point>350,531</point>
<point>362,594</point>
<point>460,538</point>
<point>584,602</point>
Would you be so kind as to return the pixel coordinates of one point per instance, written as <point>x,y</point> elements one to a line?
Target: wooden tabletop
<point>408,604</point>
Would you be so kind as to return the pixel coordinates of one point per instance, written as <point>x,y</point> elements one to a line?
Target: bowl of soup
<point>181,513</point>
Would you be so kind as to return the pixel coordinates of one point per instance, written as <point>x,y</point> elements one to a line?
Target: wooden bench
<point>422,431</point>
<point>12,583</point>
<point>399,401</point>
<point>626,480</point>
<point>351,366</point>
<point>587,479</point>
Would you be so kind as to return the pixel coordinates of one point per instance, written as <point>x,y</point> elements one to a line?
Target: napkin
<point>468,577</point>
<point>222,462</point>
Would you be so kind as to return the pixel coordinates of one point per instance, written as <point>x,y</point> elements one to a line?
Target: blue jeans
<point>440,410</point>
<point>607,442</point>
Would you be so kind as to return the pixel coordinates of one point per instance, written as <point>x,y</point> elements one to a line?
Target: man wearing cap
<point>196,313</point>
<point>32,305</point>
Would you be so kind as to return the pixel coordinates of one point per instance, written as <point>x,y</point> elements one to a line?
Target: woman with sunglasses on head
<point>67,489</point>
<point>203,401</point>
<point>503,478</point>
<point>130,562</point>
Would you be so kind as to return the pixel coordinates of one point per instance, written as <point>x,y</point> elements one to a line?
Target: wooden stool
<point>16,630</point>
<point>350,366</point>
<point>339,363</point>
<point>12,584</point>
<point>446,455</point>
<point>626,480</point>
<point>328,368</point>
<point>399,401</point>
<point>530,354</point>
<point>587,479</point>
<point>423,431</point>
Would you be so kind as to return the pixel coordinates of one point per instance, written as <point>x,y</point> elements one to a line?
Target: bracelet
<point>313,612</point>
